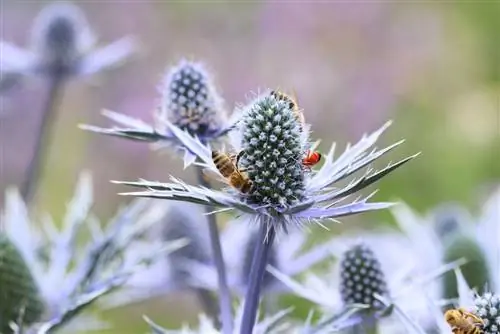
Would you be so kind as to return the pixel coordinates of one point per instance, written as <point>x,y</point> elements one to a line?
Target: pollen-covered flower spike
<point>63,44</point>
<point>66,270</point>
<point>487,307</point>
<point>21,301</point>
<point>189,104</point>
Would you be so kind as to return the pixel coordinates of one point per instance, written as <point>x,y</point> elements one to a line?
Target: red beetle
<point>311,158</point>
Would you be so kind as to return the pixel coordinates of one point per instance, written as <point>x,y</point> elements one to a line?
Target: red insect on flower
<point>311,158</point>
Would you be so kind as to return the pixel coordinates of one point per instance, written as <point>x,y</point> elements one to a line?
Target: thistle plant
<point>285,194</point>
<point>62,47</point>
<point>372,279</point>
<point>49,278</point>
<point>190,102</point>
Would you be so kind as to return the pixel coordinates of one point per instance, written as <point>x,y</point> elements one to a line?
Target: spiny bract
<point>273,148</point>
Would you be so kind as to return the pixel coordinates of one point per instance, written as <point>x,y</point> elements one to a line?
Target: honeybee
<point>228,167</point>
<point>463,322</point>
<point>292,104</point>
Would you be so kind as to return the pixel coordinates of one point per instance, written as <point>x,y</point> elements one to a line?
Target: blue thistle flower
<point>189,102</point>
<point>63,44</point>
<point>375,278</point>
<point>362,277</point>
<point>70,278</point>
<point>283,193</point>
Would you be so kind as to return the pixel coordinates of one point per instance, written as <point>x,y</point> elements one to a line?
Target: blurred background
<point>434,68</point>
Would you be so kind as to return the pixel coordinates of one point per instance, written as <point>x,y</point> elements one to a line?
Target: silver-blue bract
<point>71,275</point>
<point>270,324</point>
<point>62,43</point>
<point>306,197</point>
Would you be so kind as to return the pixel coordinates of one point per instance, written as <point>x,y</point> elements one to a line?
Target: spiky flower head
<point>62,45</point>
<point>61,35</point>
<point>75,265</point>
<point>362,277</point>
<point>487,307</point>
<point>272,153</point>
<point>20,299</point>
<point>270,146</point>
<point>190,99</point>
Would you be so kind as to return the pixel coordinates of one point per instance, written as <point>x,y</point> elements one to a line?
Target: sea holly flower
<point>238,240</point>
<point>189,102</point>
<point>66,275</point>
<point>283,193</point>
<point>372,276</point>
<point>62,45</point>
<point>449,232</point>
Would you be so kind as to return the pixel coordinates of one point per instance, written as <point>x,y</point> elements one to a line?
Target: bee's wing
<point>210,174</point>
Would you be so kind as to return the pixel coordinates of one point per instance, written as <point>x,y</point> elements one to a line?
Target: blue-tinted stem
<point>225,304</point>
<point>259,263</point>
<point>56,82</point>
<point>368,326</point>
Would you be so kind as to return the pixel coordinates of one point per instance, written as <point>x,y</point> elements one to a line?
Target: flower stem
<point>224,294</point>
<point>259,263</point>
<point>56,82</point>
<point>368,326</point>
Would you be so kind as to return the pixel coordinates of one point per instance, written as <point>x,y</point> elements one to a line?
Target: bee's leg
<point>238,157</point>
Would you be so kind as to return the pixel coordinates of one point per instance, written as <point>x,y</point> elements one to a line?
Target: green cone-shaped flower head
<point>487,307</point>
<point>362,277</point>
<point>191,101</point>
<point>20,301</point>
<point>273,146</point>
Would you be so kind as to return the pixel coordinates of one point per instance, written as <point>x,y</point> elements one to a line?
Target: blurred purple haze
<point>348,63</point>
